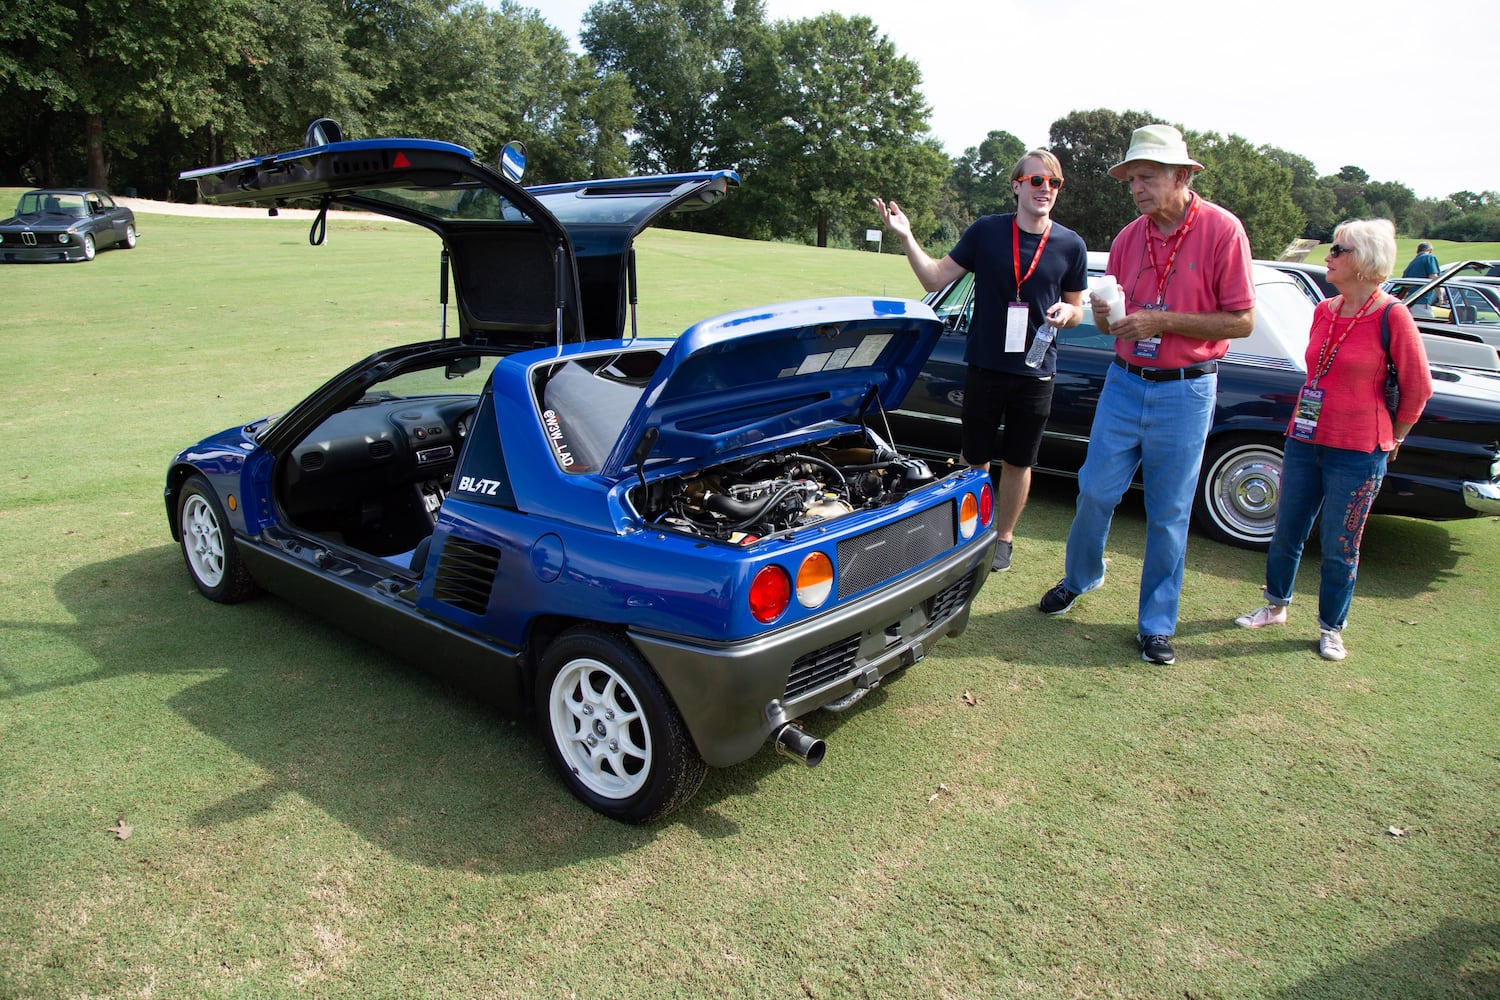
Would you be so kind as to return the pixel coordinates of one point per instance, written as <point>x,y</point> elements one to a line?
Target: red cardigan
<point>1354,416</point>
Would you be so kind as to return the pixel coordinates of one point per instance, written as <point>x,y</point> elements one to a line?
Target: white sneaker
<point>1331,644</point>
<point>1270,614</point>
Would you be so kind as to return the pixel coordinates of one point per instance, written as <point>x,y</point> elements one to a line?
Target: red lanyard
<point>1163,276</point>
<point>1332,343</point>
<point>1015,251</point>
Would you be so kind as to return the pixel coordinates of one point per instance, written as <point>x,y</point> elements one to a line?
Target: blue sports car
<point>669,551</point>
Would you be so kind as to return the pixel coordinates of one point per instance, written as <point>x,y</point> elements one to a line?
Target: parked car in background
<point>1311,278</point>
<point>1449,467</point>
<point>1460,301</point>
<point>65,224</point>
<point>669,550</point>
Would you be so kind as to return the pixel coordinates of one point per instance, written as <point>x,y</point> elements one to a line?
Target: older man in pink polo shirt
<point>1184,267</point>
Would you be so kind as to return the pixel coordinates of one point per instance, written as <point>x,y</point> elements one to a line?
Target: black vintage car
<point>65,225</point>
<point>1449,467</point>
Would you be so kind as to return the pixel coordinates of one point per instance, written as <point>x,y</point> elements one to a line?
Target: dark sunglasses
<point>1339,251</point>
<point>1037,180</point>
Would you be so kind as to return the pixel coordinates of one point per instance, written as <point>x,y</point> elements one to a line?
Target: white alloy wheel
<point>203,541</point>
<point>600,730</point>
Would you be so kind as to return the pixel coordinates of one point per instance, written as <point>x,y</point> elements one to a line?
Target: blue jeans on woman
<point>1159,427</point>
<point>1342,484</point>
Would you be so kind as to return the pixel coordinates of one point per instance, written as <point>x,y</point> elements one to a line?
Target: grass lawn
<point>1029,812</point>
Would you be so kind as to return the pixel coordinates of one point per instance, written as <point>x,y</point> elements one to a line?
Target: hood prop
<point>642,450</point>
<point>443,293</point>
<point>634,291</point>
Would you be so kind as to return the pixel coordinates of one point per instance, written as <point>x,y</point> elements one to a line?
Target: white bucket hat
<point>1159,144</point>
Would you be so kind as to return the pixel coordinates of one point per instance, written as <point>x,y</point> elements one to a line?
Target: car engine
<point>745,501</point>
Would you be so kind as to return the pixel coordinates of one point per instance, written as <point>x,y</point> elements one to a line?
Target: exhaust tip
<point>792,741</point>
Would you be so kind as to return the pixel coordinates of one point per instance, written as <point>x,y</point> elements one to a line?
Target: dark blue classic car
<point>65,224</point>
<point>668,550</point>
<point>1449,467</point>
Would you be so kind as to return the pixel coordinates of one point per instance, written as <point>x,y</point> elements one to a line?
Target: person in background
<point>1423,265</point>
<point>1184,268</point>
<point>1028,271</point>
<point>1341,434</point>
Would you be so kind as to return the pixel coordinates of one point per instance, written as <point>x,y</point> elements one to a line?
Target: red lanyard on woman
<point>1015,251</point>
<point>1332,343</point>
<point>1162,277</point>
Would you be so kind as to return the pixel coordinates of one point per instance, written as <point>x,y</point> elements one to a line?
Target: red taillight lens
<point>986,504</point>
<point>770,593</point>
<point>814,580</point>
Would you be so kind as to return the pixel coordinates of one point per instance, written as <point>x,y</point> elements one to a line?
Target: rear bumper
<point>733,696</point>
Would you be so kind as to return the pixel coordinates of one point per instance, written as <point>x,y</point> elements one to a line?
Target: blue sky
<point>1406,97</point>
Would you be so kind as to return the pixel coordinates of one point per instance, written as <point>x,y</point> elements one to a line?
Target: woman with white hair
<point>1341,434</point>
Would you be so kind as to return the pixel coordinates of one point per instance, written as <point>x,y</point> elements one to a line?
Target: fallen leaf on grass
<point>968,698</point>
<point>121,829</point>
<point>1396,831</point>
<point>940,790</point>
<point>1405,622</point>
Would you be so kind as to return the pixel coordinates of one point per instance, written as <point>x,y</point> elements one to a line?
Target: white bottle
<point>1045,334</point>
<point>1111,292</point>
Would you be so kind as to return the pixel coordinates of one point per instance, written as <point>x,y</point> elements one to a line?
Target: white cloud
<point>1377,85</point>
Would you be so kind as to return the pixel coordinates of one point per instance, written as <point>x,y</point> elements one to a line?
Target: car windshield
<point>52,202</point>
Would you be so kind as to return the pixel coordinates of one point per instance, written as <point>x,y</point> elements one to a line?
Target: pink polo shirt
<point>1211,274</point>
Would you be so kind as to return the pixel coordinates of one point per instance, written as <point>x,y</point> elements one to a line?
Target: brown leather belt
<point>1168,374</point>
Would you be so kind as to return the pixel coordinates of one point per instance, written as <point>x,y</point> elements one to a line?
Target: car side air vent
<point>312,461</point>
<point>382,449</point>
<point>466,575</point>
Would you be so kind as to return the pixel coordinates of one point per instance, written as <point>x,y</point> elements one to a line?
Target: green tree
<point>678,56</point>
<point>1315,200</point>
<point>1088,143</point>
<point>843,119</point>
<point>1253,186</point>
<point>980,178</point>
<point>117,67</point>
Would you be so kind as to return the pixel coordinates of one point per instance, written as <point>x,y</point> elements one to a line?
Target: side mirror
<point>513,160</point>
<point>322,131</point>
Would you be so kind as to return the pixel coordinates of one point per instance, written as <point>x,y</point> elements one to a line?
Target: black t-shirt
<point>986,249</point>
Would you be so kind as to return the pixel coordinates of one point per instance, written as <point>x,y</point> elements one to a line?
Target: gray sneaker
<point>1001,562</point>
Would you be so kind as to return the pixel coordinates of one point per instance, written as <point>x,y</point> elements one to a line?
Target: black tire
<point>1239,491</point>
<point>208,546</point>
<point>611,729</point>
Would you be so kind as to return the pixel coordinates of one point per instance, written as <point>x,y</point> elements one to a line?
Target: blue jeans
<point>1315,477</point>
<point>1159,427</point>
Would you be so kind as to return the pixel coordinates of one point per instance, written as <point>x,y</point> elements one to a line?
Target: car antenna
<point>443,292</point>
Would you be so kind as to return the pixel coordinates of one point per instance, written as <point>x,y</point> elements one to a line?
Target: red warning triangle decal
<point>400,161</point>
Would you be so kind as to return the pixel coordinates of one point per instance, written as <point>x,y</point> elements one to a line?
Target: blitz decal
<point>486,487</point>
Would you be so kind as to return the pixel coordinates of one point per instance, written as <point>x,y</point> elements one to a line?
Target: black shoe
<point>1058,599</point>
<point>1001,562</point>
<point>1156,649</point>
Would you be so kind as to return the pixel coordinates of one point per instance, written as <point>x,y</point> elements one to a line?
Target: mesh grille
<point>812,670</point>
<point>871,559</point>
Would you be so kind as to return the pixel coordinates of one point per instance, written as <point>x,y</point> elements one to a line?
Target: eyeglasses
<point>1339,251</point>
<point>1037,180</point>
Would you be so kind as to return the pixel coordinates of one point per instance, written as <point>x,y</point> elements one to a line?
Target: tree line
<point>817,114</point>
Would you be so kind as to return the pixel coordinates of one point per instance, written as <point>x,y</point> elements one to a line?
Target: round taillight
<point>770,593</point>
<point>986,504</point>
<point>968,515</point>
<point>814,580</point>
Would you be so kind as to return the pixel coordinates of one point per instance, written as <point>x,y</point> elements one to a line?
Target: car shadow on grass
<point>1456,959</point>
<point>424,769</point>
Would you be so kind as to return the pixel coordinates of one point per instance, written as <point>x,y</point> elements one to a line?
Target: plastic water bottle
<point>1045,334</point>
